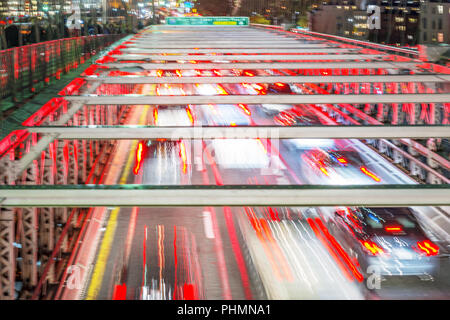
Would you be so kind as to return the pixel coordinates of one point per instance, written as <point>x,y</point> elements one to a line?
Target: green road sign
<point>207,21</point>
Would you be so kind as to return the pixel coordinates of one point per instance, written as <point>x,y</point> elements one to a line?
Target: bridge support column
<point>7,256</point>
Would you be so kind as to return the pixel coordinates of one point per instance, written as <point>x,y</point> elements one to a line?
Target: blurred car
<point>167,161</point>
<point>279,87</point>
<point>170,90</point>
<point>389,240</point>
<point>297,116</point>
<point>334,166</point>
<point>246,73</point>
<point>225,115</point>
<point>173,116</point>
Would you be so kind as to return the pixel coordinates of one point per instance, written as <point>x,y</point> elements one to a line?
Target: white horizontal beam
<point>272,79</point>
<point>164,196</point>
<point>246,51</point>
<point>266,57</point>
<point>206,39</point>
<point>215,36</point>
<point>260,99</point>
<point>272,65</point>
<point>206,31</point>
<point>231,44</point>
<point>217,40</point>
<point>269,132</point>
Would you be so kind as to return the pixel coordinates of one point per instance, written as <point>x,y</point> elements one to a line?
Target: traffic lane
<point>196,222</point>
<point>121,262</point>
<point>406,284</point>
<point>272,250</point>
<point>286,258</point>
<point>290,259</point>
<point>293,157</point>
<point>165,165</point>
<point>414,288</point>
<point>178,250</point>
<point>165,255</point>
<point>404,287</point>
<point>115,266</point>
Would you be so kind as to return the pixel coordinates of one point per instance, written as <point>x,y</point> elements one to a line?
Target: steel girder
<point>169,196</point>
<point>7,255</point>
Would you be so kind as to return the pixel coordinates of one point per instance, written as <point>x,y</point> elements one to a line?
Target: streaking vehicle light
<point>372,248</point>
<point>245,108</point>
<point>393,229</point>
<point>428,247</point>
<point>139,156</point>
<point>189,114</point>
<point>370,174</point>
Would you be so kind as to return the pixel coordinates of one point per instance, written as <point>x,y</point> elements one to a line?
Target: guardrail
<point>26,70</point>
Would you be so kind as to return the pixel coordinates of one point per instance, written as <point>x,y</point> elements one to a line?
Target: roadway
<point>238,253</point>
<point>290,246</point>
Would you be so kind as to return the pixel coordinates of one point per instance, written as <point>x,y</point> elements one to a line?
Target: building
<point>278,11</point>
<point>91,8</point>
<point>344,19</point>
<point>403,22</point>
<point>435,22</point>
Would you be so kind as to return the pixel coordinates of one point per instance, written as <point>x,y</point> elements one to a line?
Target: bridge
<point>194,162</point>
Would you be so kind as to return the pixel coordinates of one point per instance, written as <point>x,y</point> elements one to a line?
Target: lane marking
<point>105,248</point>
<point>102,259</point>
<point>207,224</point>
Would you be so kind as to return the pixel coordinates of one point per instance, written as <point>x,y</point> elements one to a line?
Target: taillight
<point>342,160</point>
<point>189,114</point>
<point>220,90</point>
<point>279,84</point>
<point>139,153</point>
<point>372,248</point>
<point>324,171</point>
<point>155,115</point>
<point>428,247</point>
<point>257,86</point>
<point>370,174</point>
<point>393,229</point>
<point>245,109</point>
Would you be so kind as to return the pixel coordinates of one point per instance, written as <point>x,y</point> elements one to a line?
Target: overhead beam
<point>201,196</point>
<point>224,35</point>
<point>217,40</point>
<point>255,39</point>
<point>272,79</point>
<point>272,65</point>
<point>231,44</point>
<point>303,57</point>
<point>270,132</point>
<point>247,51</point>
<point>206,33</point>
<point>260,99</point>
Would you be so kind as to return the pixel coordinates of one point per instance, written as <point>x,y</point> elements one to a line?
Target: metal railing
<point>28,69</point>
